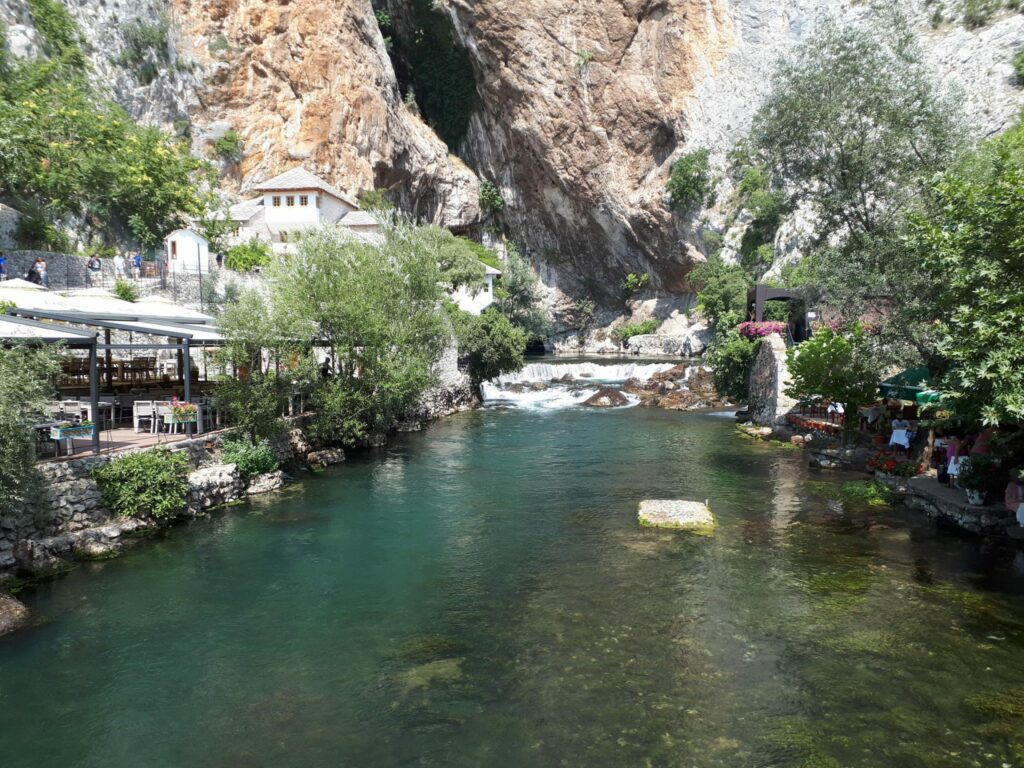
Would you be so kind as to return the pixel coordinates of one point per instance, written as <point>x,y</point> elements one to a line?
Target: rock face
<point>12,614</point>
<point>607,398</point>
<point>583,106</point>
<point>692,516</point>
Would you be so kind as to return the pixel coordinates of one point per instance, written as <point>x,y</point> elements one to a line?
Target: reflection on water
<point>480,594</point>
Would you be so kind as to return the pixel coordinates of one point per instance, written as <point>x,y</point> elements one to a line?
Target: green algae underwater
<point>480,594</point>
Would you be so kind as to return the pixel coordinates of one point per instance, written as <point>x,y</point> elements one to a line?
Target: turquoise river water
<point>479,594</point>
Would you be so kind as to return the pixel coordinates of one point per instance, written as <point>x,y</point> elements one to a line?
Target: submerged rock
<point>13,614</point>
<point>691,516</point>
<point>326,457</point>
<point>265,483</point>
<point>426,675</point>
<point>607,398</point>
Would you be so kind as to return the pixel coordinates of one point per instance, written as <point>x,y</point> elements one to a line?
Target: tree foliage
<point>689,185</point>
<point>722,292</point>
<point>26,384</point>
<point>731,358</point>
<point>244,257</point>
<point>65,151</point>
<point>838,366</point>
<point>969,240</point>
<point>491,344</point>
<point>518,295</point>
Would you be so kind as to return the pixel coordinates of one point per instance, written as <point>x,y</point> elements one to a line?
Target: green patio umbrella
<point>927,397</point>
<point>906,385</point>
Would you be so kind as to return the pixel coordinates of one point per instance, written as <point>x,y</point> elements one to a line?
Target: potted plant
<point>67,430</point>
<point>184,413</point>
<point>980,477</point>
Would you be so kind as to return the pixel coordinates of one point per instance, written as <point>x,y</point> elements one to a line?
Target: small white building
<point>476,303</point>
<point>187,252</point>
<point>294,202</point>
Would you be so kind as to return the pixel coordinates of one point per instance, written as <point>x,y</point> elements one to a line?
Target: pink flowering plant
<point>760,330</point>
<point>184,411</point>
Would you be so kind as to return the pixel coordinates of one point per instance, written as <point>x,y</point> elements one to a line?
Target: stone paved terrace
<point>928,495</point>
<point>123,438</point>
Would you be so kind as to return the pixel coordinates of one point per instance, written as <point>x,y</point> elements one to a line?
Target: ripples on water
<point>480,595</point>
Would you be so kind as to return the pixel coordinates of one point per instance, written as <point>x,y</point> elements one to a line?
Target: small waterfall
<point>516,389</point>
<point>584,372</point>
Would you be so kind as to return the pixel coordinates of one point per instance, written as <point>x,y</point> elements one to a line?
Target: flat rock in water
<point>679,515</point>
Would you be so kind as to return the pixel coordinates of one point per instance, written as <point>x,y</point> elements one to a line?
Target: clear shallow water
<point>480,595</point>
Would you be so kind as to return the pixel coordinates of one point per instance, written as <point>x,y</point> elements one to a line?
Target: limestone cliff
<point>583,104</point>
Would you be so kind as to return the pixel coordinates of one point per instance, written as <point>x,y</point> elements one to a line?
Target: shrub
<point>1018,66</point>
<point>229,147</point>
<point>760,330</point>
<point>583,59</point>
<point>891,464</point>
<point>689,185</point>
<point>634,283</point>
<point>147,484</point>
<point>375,200</point>
<point>491,344</point>
<point>491,201</point>
<point>126,291</point>
<point>625,332</point>
<point>983,474</point>
<point>251,459</point>
<point>978,13</point>
<point>58,30</point>
<point>246,256</point>
<point>731,357</point>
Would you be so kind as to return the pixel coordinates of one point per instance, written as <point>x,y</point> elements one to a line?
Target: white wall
<point>467,302</point>
<point>291,217</point>
<point>187,253</point>
<point>332,210</point>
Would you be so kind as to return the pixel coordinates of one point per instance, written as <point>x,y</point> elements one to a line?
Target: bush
<point>147,484</point>
<point>229,147</point>
<point>634,283</point>
<point>246,256</point>
<point>491,201</point>
<point>731,357</point>
<point>375,200</point>
<point>491,344</point>
<point>689,185</point>
<point>1018,66</point>
<point>142,38</point>
<point>251,459</point>
<point>58,30</point>
<point>625,332</point>
<point>978,13</point>
<point>126,291</point>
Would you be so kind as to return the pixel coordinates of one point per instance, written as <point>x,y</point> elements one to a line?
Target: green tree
<point>731,358</point>
<point>840,367</point>
<point>689,185</point>
<point>244,257</point>
<point>518,295</point>
<point>26,384</point>
<point>230,148</point>
<point>853,124</point>
<point>491,201</point>
<point>376,310</point>
<point>722,293</point>
<point>969,242</point>
<point>491,344</point>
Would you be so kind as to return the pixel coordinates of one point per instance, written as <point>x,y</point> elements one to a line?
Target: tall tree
<point>969,242</point>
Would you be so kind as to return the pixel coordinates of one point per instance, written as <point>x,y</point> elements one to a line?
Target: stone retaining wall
<point>71,521</point>
<point>769,403</point>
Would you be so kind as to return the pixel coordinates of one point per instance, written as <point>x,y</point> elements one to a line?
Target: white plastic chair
<point>142,411</point>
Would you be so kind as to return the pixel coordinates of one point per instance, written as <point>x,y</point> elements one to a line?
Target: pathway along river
<point>480,595</point>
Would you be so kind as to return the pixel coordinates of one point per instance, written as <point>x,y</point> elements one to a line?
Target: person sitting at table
<point>835,412</point>
<point>1014,498</point>
<point>900,433</point>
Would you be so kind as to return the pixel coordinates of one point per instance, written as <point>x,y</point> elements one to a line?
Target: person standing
<point>1014,498</point>
<point>137,265</point>
<point>94,269</point>
<point>40,268</point>
<point>3,266</point>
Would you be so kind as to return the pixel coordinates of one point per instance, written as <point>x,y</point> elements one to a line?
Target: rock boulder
<point>691,516</point>
<point>607,398</point>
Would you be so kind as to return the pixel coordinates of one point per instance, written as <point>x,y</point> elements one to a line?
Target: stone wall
<point>769,378</point>
<point>62,270</point>
<point>70,519</point>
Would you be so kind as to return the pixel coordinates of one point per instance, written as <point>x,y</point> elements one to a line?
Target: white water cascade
<point>539,385</point>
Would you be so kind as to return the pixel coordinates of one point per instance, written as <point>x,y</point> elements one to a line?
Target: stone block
<point>693,516</point>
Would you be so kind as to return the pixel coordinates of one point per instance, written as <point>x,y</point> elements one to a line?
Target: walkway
<point>114,440</point>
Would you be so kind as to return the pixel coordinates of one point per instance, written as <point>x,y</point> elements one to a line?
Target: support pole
<point>94,397</point>
<point>108,357</point>
<point>187,369</point>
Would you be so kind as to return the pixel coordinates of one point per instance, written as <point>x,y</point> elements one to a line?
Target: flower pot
<point>67,433</point>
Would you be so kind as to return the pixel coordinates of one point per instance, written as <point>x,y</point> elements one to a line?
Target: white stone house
<point>292,203</point>
<point>187,252</point>
<point>477,303</point>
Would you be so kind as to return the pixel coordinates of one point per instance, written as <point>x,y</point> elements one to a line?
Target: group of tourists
<point>125,266</point>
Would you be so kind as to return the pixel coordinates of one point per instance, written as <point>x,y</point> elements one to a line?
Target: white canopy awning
<point>19,329</point>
